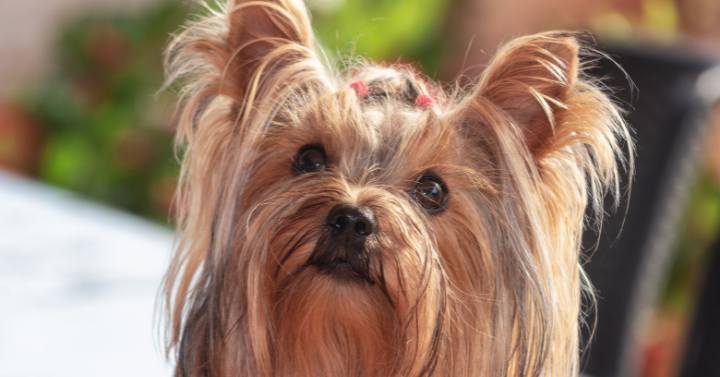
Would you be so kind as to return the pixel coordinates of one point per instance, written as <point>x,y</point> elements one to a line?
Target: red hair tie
<point>360,88</point>
<point>424,101</point>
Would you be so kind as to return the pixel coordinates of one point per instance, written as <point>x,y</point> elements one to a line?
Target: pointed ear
<point>245,51</point>
<point>530,79</point>
<point>263,38</point>
<point>532,95</point>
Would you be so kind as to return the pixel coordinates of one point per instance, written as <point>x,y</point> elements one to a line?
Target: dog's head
<point>369,224</point>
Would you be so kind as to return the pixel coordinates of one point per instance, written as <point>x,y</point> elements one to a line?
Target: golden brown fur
<point>490,286</point>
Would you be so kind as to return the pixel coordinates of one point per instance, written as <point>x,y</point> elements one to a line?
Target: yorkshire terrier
<point>370,224</point>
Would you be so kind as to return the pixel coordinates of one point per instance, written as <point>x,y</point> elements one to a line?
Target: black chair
<point>668,112</point>
<point>703,346</point>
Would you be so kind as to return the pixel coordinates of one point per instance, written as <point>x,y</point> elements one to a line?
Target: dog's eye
<point>309,159</point>
<point>431,193</point>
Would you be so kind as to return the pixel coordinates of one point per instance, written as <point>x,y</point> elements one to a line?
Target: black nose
<point>351,223</point>
<point>341,250</point>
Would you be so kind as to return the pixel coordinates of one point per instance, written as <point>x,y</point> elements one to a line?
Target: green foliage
<point>385,30</point>
<point>109,134</point>
<point>697,231</point>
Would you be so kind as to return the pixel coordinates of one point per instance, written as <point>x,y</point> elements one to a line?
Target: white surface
<point>78,284</point>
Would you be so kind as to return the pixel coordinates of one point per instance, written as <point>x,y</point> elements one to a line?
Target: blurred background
<point>87,170</point>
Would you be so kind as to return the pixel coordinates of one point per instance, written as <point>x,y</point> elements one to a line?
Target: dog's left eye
<point>309,159</point>
<point>431,193</point>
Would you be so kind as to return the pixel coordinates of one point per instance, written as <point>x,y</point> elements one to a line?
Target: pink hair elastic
<point>360,88</point>
<point>424,101</point>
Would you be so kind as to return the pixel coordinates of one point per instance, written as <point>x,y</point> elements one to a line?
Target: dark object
<point>350,223</point>
<point>341,249</point>
<point>668,112</point>
<point>703,348</point>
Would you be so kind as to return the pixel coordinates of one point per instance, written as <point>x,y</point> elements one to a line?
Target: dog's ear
<point>249,50</point>
<point>531,79</point>
<point>263,38</point>
<point>534,95</point>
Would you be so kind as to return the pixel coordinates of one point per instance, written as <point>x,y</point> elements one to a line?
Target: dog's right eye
<point>309,159</point>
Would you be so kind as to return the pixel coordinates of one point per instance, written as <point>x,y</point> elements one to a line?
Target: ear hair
<point>263,31</point>
<point>240,51</point>
<point>531,79</point>
<point>559,114</point>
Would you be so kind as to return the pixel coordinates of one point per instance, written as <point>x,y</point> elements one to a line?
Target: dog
<point>369,223</point>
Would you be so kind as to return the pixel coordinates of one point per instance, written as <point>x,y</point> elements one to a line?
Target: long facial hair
<point>490,286</point>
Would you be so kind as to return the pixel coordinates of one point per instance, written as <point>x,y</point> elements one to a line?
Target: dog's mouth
<point>346,261</point>
<point>343,269</point>
<point>339,266</point>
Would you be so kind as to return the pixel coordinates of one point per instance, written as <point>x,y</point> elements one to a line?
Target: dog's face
<point>367,225</point>
<point>356,209</point>
<point>366,209</point>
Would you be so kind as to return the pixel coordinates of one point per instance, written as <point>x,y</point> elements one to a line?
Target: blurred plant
<point>385,30</point>
<point>20,140</point>
<point>697,231</point>
<point>108,133</point>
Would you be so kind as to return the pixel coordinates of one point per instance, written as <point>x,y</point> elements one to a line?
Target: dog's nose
<point>351,223</point>
<point>341,250</point>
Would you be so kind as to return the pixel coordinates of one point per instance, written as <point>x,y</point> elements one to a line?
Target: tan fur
<point>489,287</point>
